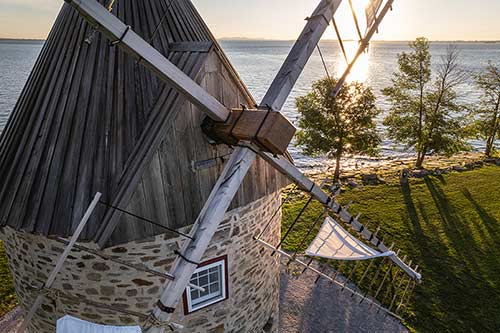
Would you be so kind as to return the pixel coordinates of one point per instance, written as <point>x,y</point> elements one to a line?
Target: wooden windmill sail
<point>165,64</point>
<point>242,158</point>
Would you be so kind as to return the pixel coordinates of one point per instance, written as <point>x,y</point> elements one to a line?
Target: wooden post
<point>295,175</point>
<point>362,46</point>
<point>132,43</point>
<point>203,230</point>
<point>321,274</point>
<point>60,262</point>
<point>289,73</point>
<point>276,97</point>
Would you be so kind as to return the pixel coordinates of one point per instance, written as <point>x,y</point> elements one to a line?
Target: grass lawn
<point>7,296</point>
<point>450,226</point>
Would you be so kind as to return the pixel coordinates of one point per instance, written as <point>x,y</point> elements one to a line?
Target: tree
<point>488,114</point>
<point>338,126</point>
<point>425,113</point>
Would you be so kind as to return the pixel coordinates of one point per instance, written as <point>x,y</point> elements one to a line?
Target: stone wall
<point>252,305</point>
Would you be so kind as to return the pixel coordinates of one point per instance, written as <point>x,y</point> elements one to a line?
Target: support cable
<point>311,198</point>
<point>283,202</point>
<point>324,62</point>
<point>146,220</point>
<point>339,38</point>
<point>309,232</point>
<point>356,22</point>
<point>158,26</point>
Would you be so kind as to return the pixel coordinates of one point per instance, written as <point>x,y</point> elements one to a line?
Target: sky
<point>284,19</point>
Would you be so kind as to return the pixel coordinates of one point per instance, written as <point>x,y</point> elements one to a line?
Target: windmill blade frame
<point>243,156</point>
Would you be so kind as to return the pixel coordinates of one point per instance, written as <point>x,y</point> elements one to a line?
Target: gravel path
<point>11,321</point>
<point>306,307</point>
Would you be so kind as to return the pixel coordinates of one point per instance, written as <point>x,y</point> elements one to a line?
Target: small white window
<point>211,276</point>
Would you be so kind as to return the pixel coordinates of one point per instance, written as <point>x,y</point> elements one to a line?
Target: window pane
<point>214,277</point>
<point>211,279</point>
<point>214,288</point>
<point>203,281</point>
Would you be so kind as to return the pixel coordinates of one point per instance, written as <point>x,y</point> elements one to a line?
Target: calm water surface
<point>258,62</point>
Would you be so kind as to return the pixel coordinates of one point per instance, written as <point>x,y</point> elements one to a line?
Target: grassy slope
<point>7,296</point>
<point>451,227</point>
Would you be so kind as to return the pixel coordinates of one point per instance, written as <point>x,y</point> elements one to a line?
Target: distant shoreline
<point>21,40</point>
<point>241,39</point>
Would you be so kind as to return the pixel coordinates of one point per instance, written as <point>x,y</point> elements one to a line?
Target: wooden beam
<point>269,130</point>
<point>306,184</point>
<point>122,35</point>
<point>60,262</point>
<point>203,230</point>
<point>183,270</point>
<point>365,42</point>
<point>289,73</point>
<point>329,278</point>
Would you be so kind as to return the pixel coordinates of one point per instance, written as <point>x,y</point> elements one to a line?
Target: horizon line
<point>290,40</point>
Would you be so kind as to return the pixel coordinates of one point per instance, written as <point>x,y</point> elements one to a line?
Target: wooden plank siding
<point>91,119</point>
<point>180,193</point>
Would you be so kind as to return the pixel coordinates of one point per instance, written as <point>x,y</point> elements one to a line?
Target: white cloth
<point>68,324</point>
<point>334,242</point>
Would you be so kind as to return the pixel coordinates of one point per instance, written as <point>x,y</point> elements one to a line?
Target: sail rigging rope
<point>146,220</point>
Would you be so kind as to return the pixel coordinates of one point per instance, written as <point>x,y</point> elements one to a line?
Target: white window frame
<point>222,262</point>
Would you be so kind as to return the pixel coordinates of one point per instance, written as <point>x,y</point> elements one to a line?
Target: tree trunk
<point>489,147</point>
<point>421,158</point>
<point>336,175</point>
<point>491,139</point>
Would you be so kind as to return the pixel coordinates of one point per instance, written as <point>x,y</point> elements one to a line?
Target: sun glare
<point>359,72</point>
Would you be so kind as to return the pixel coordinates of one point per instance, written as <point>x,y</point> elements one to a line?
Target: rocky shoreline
<point>402,169</point>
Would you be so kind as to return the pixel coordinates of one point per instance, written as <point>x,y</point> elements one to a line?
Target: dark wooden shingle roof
<point>90,119</point>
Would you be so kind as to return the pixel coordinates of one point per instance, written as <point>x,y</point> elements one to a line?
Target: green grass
<point>450,226</point>
<point>7,296</point>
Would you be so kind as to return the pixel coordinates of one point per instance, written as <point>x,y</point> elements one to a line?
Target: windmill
<point>261,132</point>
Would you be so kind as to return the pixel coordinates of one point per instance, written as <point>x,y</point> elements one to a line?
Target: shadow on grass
<point>428,260</point>
<point>490,222</point>
<point>460,271</point>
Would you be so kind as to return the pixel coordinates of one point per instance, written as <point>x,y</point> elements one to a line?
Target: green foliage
<point>338,126</point>
<point>425,113</point>
<point>450,226</point>
<point>487,122</point>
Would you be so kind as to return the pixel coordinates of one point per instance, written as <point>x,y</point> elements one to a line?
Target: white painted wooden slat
<point>282,87</point>
<point>132,43</point>
<point>204,228</point>
<point>60,262</point>
<point>299,55</point>
<point>295,175</point>
<point>365,42</point>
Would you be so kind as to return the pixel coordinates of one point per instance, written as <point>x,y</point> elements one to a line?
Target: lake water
<point>258,62</point>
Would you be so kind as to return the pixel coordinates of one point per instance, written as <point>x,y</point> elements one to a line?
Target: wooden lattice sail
<point>92,119</point>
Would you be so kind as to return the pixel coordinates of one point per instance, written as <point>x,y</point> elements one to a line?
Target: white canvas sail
<point>68,324</point>
<point>371,12</point>
<point>334,242</point>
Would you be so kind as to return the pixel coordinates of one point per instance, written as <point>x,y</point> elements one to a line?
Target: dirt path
<point>306,307</point>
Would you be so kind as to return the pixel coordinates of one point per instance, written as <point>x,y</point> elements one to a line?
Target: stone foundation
<point>252,305</point>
